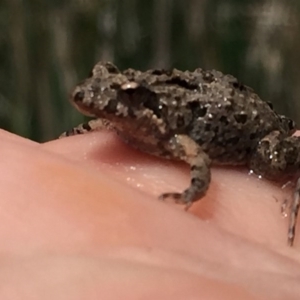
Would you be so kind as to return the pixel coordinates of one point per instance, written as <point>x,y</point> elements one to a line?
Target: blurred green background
<point>46,47</point>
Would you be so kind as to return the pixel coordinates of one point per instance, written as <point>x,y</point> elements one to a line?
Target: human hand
<point>80,219</point>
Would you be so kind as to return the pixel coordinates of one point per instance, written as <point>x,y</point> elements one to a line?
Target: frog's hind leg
<point>294,213</point>
<point>184,148</point>
<point>92,125</point>
<point>275,157</point>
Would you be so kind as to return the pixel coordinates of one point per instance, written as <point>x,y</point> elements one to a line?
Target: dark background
<point>46,47</point>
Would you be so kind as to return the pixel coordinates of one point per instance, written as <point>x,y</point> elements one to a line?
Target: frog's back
<point>225,117</point>
<point>232,120</point>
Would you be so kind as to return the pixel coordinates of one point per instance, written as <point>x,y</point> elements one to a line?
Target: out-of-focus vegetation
<point>46,47</point>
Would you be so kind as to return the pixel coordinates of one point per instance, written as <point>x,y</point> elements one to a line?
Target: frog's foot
<point>184,148</point>
<point>178,198</point>
<point>91,125</point>
<point>294,213</point>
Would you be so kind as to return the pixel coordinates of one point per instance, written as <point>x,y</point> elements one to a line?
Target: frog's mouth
<point>78,100</point>
<point>83,109</point>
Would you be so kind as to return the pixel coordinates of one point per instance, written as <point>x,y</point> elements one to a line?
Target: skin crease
<point>80,219</point>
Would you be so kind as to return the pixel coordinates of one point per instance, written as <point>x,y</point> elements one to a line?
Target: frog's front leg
<point>276,157</point>
<point>92,125</point>
<point>184,148</point>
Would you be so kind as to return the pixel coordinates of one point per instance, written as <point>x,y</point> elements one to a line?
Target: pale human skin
<point>80,219</point>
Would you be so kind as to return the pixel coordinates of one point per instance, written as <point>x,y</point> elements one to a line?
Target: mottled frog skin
<point>201,117</point>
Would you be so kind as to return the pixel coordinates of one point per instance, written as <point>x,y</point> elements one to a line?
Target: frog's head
<point>95,93</point>
<point>113,95</point>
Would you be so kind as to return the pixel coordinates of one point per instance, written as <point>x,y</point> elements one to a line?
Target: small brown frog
<point>200,117</point>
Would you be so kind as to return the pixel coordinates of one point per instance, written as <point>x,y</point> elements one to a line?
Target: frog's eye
<point>78,97</point>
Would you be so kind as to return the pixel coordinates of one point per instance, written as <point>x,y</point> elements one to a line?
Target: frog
<point>201,117</point>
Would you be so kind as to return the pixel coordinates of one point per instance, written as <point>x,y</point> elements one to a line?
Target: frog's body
<point>199,117</point>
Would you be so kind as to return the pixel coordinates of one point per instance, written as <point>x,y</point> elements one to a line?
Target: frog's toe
<point>178,198</point>
<point>175,196</point>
